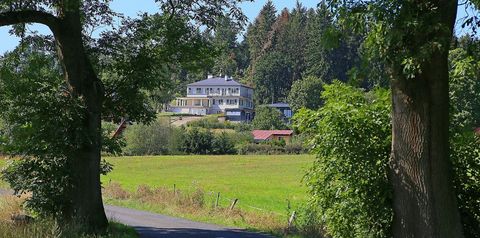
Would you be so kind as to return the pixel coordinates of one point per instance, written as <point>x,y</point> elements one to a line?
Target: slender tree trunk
<point>82,81</point>
<point>424,199</point>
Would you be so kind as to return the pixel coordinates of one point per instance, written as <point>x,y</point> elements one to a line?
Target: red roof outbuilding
<point>265,134</point>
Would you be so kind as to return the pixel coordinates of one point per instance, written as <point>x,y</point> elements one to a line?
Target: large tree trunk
<point>87,206</point>
<point>424,199</point>
<point>86,197</point>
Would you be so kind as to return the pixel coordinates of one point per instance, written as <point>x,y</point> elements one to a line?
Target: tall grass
<point>46,228</point>
<point>194,204</point>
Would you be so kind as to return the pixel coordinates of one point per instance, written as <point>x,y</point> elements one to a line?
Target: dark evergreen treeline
<point>280,48</point>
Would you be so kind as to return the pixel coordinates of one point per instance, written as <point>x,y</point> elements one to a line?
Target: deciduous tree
<point>414,38</point>
<point>305,93</point>
<point>69,22</point>
<point>267,118</point>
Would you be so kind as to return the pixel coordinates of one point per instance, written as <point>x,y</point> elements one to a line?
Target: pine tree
<point>258,32</point>
<point>225,41</point>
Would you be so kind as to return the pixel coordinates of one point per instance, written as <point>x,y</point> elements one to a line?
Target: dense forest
<point>287,55</point>
<point>279,49</point>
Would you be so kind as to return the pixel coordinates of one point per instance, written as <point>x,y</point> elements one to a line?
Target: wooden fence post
<point>174,189</point>
<point>218,200</point>
<point>233,203</point>
<point>291,219</point>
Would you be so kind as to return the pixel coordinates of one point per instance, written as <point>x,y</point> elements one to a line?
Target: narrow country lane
<point>151,225</point>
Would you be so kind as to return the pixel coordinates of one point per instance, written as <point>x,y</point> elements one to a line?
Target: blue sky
<point>132,8</point>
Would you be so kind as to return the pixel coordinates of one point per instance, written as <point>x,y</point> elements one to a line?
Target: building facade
<point>217,95</point>
<point>285,109</point>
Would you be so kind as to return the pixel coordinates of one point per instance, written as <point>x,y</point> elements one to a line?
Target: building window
<point>287,113</point>
<point>189,90</point>
<point>199,90</point>
<point>235,102</point>
<point>220,101</point>
<point>213,101</point>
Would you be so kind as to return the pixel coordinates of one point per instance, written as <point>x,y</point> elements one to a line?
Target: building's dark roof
<point>217,81</point>
<point>278,104</point>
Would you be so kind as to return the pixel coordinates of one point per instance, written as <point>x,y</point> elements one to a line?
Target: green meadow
<point>267,182</point>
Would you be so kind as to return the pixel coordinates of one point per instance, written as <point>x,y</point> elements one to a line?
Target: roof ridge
<point>217,81</point>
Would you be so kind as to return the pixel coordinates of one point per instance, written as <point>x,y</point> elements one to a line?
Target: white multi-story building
<point>217,95</point>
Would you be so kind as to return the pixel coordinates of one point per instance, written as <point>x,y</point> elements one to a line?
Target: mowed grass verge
<point>267,182</point>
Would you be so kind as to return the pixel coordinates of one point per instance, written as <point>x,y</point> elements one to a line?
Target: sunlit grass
<point>45,228</point>
<point>3,162</point>
<point>268,182</point>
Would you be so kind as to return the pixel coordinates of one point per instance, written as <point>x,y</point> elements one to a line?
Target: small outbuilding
<point>264,135</point>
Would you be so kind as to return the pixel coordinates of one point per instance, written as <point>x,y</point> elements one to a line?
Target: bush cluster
<point>156,138</point>
<point>351,194</point>
<point>212,122</point>
<point>351,138</point>
<point>270,148</point>
<point>196,140</point>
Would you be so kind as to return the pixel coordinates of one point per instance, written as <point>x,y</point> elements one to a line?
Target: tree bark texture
<point>421,173</point>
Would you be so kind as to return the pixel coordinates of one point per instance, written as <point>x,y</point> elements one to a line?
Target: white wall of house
<point>189,110</point>
<point>201,91</point>
<point>220,99</point>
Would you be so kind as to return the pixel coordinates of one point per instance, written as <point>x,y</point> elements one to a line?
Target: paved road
<point>151,225</point>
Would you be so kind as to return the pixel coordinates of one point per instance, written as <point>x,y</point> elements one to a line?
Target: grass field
<point>267,182</point>
<point>262,181</point>
<point>2,163</point>
<point>264,185</point>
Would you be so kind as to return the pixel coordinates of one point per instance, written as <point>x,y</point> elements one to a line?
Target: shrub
<point>295,148</point>
<point>267,118</point>
<point>243,127</point>
<point>211,122</point>
<point>157,138</point>
<point>222,144</point>
<point>244,137</point>
<point>465,155</point>
<point>197,141</point>
<point>348,181</point>
<point>262,148</point>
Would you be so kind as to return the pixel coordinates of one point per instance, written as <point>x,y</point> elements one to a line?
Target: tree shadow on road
<point>151,232</point>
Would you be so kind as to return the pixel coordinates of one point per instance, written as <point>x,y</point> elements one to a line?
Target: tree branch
<point>29,16</point>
